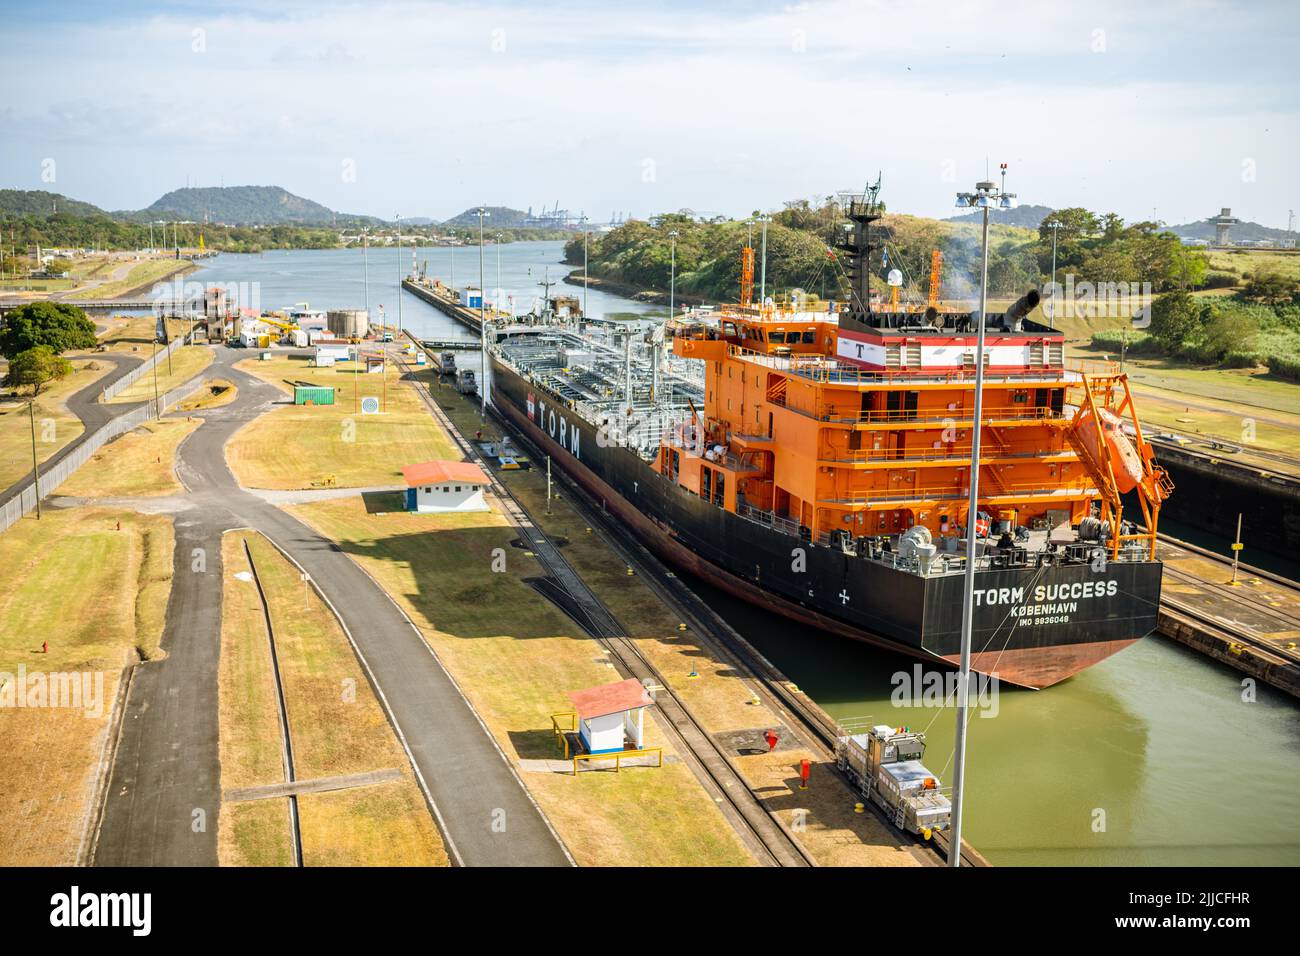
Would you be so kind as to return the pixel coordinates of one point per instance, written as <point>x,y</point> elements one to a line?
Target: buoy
<point>858,808</point>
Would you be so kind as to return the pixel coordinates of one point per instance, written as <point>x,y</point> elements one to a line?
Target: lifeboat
<point>1114,444</point>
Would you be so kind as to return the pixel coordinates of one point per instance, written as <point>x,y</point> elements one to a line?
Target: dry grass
<point>171,371</point>
<point>336,724</point>
<point>211,394</point>
<point>142,463</point>
<point>94,593</point>
<point>143,273</point>
<point>515,656</point>
<point>294,446</point>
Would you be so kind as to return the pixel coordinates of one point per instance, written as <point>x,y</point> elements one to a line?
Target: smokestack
<point>1015,315</point>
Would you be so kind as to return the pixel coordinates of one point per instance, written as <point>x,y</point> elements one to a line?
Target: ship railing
<point>946,492</point>
<point>957,417</point>
<point>769,518</point>
<point>955,454</point>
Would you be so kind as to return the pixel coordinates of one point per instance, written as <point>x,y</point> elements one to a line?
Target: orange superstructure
<point>789,430</point>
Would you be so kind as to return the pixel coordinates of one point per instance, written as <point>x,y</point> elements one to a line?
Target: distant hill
<point>37,202</point>
<point>1242,230</point>
<point>246,206</point>
<point>499,217</point>
<point>1027,216</point>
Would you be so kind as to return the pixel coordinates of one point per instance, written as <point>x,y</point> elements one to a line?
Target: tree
<point>56,324</point>
<point>1272,288</point>
<point>35,367</point>
<point>1174,317</point>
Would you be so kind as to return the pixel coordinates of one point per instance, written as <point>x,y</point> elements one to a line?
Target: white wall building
<point>611,716</point>
<point>438,486</point>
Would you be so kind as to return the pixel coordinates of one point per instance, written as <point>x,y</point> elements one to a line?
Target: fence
<point>62,470</point>
<point>133,376</point>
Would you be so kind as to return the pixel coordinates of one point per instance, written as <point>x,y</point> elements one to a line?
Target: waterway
<point>1157,756</point>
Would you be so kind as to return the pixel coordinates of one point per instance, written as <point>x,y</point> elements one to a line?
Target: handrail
<point>618,755</point>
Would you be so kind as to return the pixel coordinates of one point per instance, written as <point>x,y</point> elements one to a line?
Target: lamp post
<point>985,197</point>
<point>399,272</point>
<point>586,236</point>
<point>495,304</point>
<point>482,316</point>
<point>672,274</point>
<point>365,266</point>
<point>1051,314</point>
<point>762,275</point>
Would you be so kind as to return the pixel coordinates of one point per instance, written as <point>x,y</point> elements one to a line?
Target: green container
<point>313,395</point>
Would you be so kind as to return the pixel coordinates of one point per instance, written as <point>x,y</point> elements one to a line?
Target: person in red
<point>771,739</point>
<point>45,647</point>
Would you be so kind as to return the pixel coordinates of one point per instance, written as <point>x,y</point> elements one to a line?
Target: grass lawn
<point>142,463</point>
<point>183,364</point>
<point>295,446</point>
<point>833,832</point>
<point>94,593</point>
<point>515,655</point>
<point>55,425</point>
<point>143,273</point>
<point>336,724</point>
<point>1244,261</point>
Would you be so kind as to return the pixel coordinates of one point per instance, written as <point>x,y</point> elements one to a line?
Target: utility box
<point>313,395</point>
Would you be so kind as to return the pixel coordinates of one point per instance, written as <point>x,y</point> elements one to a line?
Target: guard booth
<point>611,717</point>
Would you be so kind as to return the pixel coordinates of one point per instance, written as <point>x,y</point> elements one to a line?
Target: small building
<point>306,394</point>
<point>438,486</point>
<point>611,716</point>
<point>327,355</point>
<point>471,298</point>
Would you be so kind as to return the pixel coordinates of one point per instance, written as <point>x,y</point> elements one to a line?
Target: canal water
<point>1157,756</point>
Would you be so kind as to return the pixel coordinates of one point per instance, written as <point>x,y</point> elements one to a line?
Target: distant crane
<point>746,277</point>
<point>936,270</point>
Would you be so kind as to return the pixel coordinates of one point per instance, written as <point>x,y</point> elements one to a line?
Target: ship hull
<point>1033,627</point>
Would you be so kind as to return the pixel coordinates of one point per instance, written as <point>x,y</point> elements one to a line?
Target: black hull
<point>1077,617</point>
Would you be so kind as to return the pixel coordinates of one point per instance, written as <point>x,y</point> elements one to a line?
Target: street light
<point>985,197</point>
<point>399,272</point>
<point>482,315</point>
<point>365,266</point>
<point>762,280</point>
<point>586,234</point>
<point>495,304</point>
<point>672,274</point>
<point>1051,315</point>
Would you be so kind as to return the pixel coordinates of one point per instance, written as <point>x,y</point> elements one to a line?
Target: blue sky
<point>1165,108</point>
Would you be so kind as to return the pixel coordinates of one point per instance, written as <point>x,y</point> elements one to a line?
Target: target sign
<point>370,405</point>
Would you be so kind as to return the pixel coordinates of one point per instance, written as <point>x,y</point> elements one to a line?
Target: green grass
<point>183,364</point>
<point>1242,262</point>
<point>55,425</point>
<point>143,273</point>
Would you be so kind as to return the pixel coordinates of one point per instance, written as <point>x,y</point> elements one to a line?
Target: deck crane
<point>746,277</point>
<point>1107,436</point>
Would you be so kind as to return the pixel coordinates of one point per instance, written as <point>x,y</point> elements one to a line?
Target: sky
<point>1164,108</point>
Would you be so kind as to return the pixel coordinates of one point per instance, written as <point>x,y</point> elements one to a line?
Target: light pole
<point>1051,315</point>
<point>672,274</point>
<point>585,235</point>
<point>496,304</point>
<point>365,266</point>
<point>482,316</point>
<point>985,197</point>
<point>399,273</point>
<point>762,281</point>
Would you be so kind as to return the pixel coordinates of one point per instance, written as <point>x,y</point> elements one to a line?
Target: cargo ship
<point>813,459</point>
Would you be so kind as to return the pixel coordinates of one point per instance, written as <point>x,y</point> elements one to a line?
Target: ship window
<point>809,336</point>
<point>706,483</point>
<point>720,489</point>
<point>777,337</point>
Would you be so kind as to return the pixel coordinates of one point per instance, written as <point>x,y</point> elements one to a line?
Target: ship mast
<point>862,211</point>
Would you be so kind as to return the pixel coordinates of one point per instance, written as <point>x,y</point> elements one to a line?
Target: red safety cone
<point>771,739</point>
<point>45,647</point>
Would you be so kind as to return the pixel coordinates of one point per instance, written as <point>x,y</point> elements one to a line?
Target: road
<point>164,793</point>
<point>92,413</point>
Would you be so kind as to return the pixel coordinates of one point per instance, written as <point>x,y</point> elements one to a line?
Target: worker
<point>45,647</point>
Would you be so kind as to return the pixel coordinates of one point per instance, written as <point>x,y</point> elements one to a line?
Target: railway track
<point>1269,617</point>
<point>762,832</point>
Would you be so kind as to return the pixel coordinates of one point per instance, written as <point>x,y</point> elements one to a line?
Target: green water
<point>1150,758</point>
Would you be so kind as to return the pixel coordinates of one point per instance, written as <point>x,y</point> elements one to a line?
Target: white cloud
<point>737,106</point>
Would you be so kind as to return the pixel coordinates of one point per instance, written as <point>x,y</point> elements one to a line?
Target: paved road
<point>167,763</point>
<point>93,413</point>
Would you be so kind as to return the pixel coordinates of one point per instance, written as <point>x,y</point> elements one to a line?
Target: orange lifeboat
<point>1124,460</point>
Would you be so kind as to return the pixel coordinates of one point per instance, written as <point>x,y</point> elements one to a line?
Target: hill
<point>1204,229</point>
<point>499,217</point>
<point>1027,216</point>
<point>245,206</point>
<point>37,202</point>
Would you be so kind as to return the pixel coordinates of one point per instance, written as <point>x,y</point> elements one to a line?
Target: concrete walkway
<point>164,793</point>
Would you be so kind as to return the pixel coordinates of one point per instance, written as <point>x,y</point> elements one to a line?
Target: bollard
<point>858,808</point>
